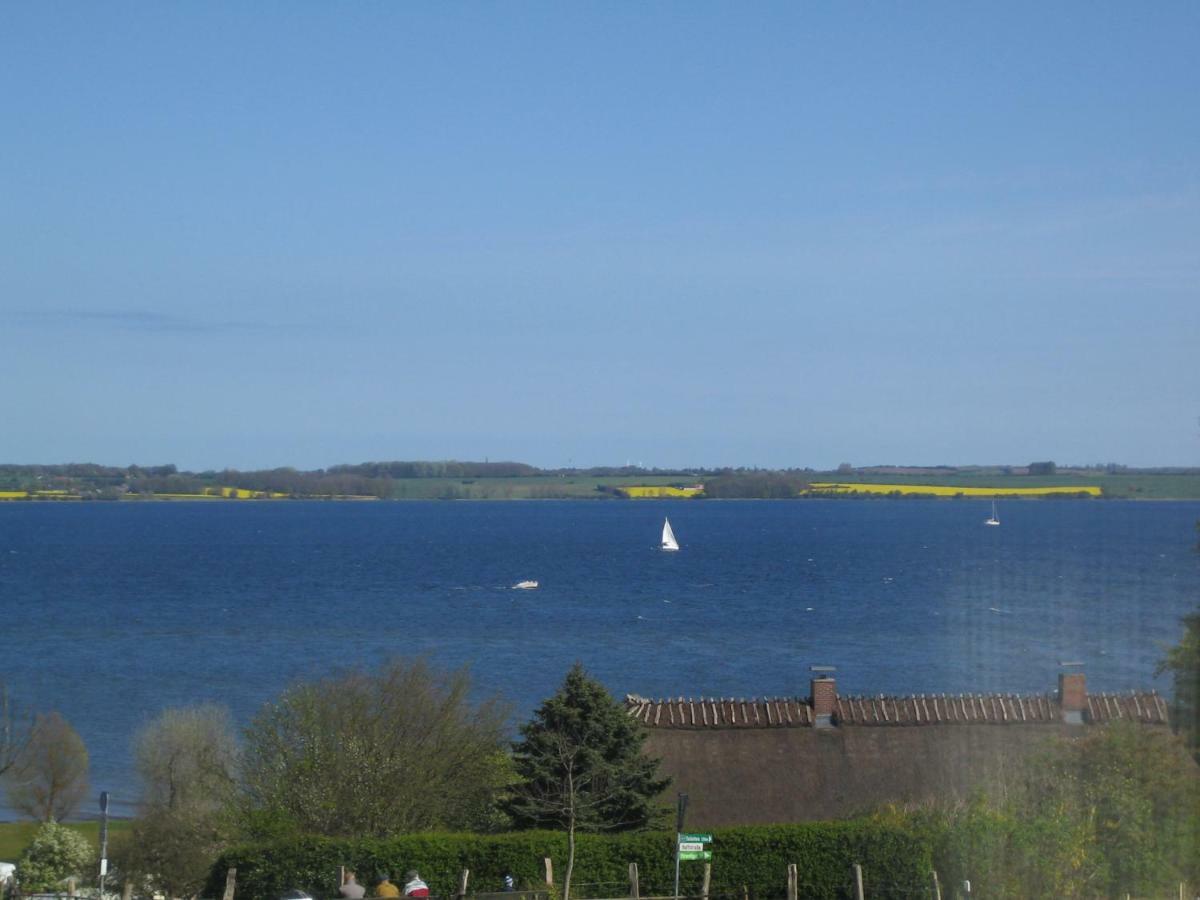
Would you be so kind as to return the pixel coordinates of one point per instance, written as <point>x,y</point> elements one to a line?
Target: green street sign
<point>695,854</point>
<point>696,838</point>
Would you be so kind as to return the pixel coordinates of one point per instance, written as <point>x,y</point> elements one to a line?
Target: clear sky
<point>256,234</point>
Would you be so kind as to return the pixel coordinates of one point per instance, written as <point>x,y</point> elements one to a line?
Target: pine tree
<point>582,767</point>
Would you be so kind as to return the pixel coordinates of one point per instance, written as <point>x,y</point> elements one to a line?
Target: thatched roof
<point>1146,707</point>
<point>792,759</point>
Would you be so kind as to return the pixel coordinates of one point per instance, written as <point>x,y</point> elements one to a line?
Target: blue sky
<point>677,233</point>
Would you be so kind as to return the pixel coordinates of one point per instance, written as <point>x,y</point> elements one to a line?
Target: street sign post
<point>680,810</point>
<point>691,847</point>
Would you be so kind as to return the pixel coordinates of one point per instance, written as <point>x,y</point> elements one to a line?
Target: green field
<point>1136,486</point>
<point>534,487</point>
<point>15,836</point>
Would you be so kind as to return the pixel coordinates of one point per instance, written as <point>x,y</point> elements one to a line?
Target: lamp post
<point>103,840</point>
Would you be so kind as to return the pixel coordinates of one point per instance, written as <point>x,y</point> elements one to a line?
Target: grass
<point>15,836</point>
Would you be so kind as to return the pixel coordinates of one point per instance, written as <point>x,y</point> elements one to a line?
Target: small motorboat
<point>525,586</point>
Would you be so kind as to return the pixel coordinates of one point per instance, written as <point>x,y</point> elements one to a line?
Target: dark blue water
<point>112,611</point>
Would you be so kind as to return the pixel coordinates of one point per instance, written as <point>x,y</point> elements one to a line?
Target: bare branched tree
<point>187,758</point>
<point>15,730</point>
<point>50,776</point>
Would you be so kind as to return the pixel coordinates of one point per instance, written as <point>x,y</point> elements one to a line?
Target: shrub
<point>895,862</point>
<point>55,854</point>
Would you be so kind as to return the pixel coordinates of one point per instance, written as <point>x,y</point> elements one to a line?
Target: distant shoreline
<point>516,481</point>
<point>814,496</point>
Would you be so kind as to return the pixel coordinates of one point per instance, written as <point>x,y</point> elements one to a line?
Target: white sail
<point>993,520</point>
<point>668,538</point>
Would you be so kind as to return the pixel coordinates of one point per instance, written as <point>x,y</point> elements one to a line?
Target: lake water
<point>113,611</point>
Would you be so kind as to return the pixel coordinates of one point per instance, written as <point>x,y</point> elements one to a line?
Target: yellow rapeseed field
<point>939,490</point>
<point>659,491</point>
<point>170,496</point>
<point>48,494</point>
<point>219,493</point>
<point>235,493</point>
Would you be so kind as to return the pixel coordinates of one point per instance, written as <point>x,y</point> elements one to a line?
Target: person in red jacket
<point>414,886</point>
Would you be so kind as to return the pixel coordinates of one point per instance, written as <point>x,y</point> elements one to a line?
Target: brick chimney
<point>1072,696</point>
<point>824,699</point>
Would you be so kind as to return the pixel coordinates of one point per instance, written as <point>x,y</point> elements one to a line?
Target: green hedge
<point>895,862</point>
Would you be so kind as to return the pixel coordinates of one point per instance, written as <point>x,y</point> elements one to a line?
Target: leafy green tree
<point>1183,662</point>
<point>187,760</point>
<point>50,776</point>
<point>55,854</point>
<point>756,485</point>
<point>1138,792</point>
<point>1115,811</point>
<point>582,767</point>
<point>398,749</point>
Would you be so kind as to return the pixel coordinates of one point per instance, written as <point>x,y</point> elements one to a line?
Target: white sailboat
<point>668,537</point>
<point>992,520</point>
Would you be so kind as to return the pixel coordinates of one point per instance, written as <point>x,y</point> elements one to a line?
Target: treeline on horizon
<point>370,479</point>
<point>379,479</point>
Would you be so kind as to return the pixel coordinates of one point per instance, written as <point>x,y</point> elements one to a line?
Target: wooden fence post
<point>341,875</point>
<point>70,887</point>
<point>634,891</point>
<point>549,871</point>
<point>707,879</point>
<point>230,883</point>
<point>792,888</point>
<point>127,890</point>
<point>937,887</point>
<point>462,882</point>
<point>858,885</point>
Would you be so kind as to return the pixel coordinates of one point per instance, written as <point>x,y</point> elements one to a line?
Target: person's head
<point>411,875</point>
<point>350,878</point>
<point>384,876</point>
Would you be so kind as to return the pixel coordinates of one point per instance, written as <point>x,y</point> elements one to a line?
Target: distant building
<point>828,756</point>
